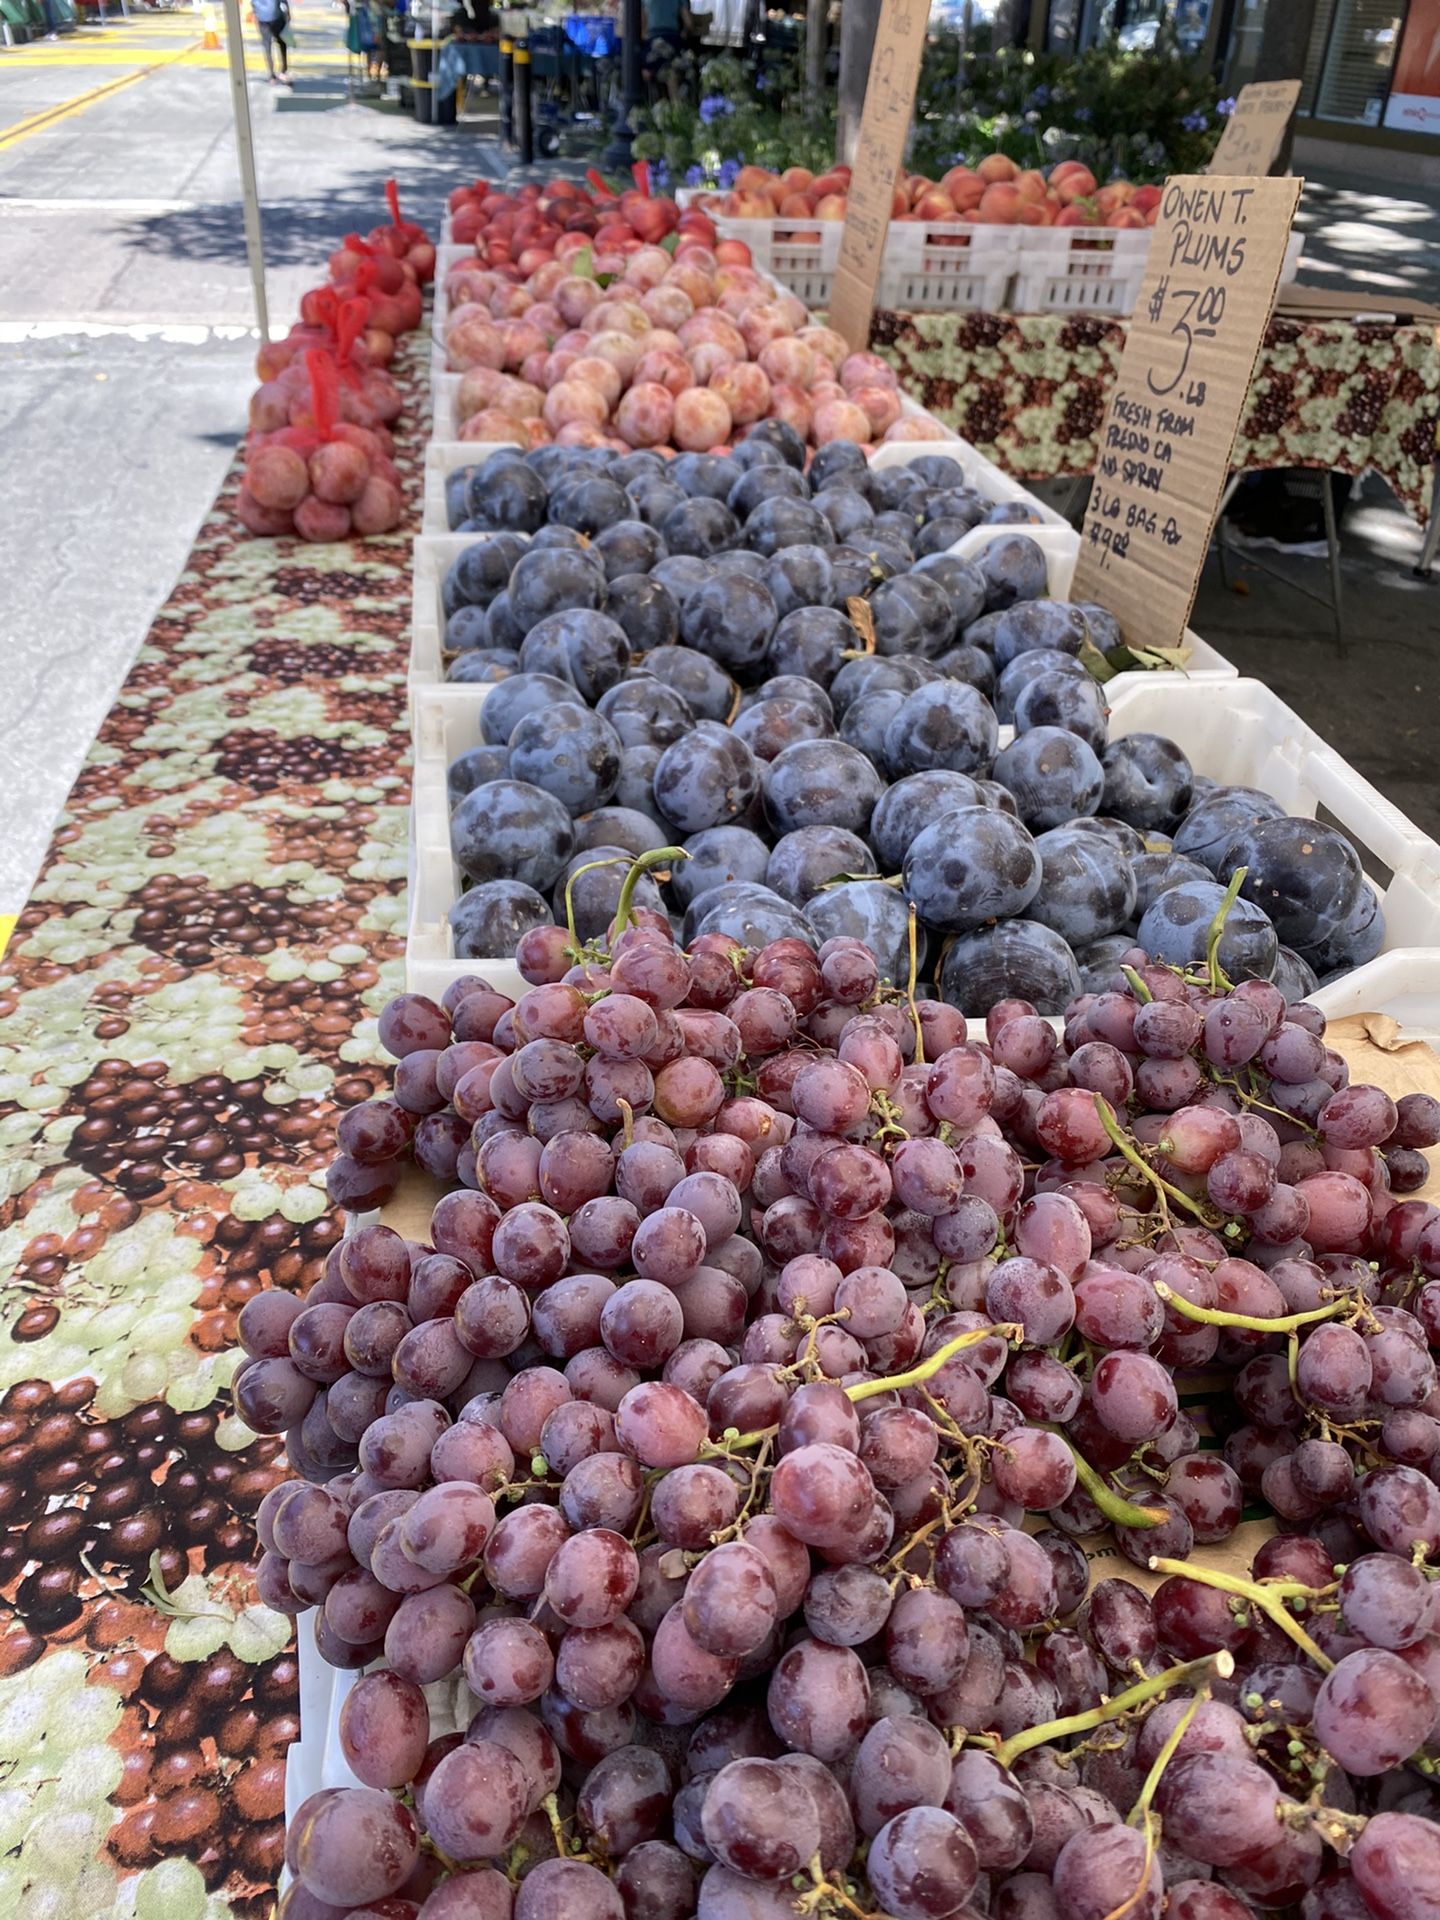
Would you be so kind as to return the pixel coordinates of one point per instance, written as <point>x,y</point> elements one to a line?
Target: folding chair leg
<point>1332,540</point>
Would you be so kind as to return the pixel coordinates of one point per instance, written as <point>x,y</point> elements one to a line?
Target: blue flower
<point>728,172</point>
<point>713,107</point>
<point>695,175</point>
<point>1225,107</point>
<point>1195,122</point>
<point>659,174</point>
<point>1084,114</point>
<point>1040,97</point>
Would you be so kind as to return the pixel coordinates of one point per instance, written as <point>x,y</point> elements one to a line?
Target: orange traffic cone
<point>211,41</point>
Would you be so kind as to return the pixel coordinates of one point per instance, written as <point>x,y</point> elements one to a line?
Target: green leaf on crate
<point>1126,659</point>
<point>259,1633</point>
<point>197,1636</point>
<point>1095,663</point>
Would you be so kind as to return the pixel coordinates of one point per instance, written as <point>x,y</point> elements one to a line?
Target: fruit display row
<point>996,192</point>
<point>696,1496</point>
<point>319,451</point>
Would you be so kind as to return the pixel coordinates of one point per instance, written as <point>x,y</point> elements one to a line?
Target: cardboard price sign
<point>889,102</point>
<point>1256,129</point>
<point>1184,377</point>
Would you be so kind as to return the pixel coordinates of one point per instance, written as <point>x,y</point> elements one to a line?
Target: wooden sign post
<point>884,124</point>
<point>1255,131</point>
<point>1185,374</point>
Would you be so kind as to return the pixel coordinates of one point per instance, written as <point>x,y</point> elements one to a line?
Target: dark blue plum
<point>646,610</point>
<point>699,528</point>
<point>812,641</point>
<point>467,627</point>
<point>799,577</point>
<point>586,648</point>
<point>1012,513</point>
<point>770,726</point>
<point>870,673</point>
<point>1120,833</point>
<point>765,483</point>
<point>866,720</point>
<point>854,571</point>
<point>456,503</point>
<point>1175,926</point>
<point>473,768</point>
<point>550,580</point>
<point>783,437</point>
<point>632,466</point>
<point>737,560</point>
<point>962,504</point>
<point>706,779</point>
<point>969,866</point>
<point>719,855</point>
<point>937,537</point>
<point>1049,625</point>
<point>973,666</point>
<point>1304,875</point>
<point>509,703</point>
<point>1053,775</point>
<point>992,794</point>
<point>913,614</point>
<point>803,861</point>
<point>508,495</point>
<point>1156,872</point>
<point>937,470</point>
<point>1087,886</point>
<point>623,827</point>
<point>778,523</point>
<point>635,788</point>
<point>848,512</point>
<point>1357,939</point>
<point>554,539</point>
<point>905,809</point>
<point>487,921</point>
<point>1215,818</point>
<point>628,547</point>
<point>730,619</point>
<point>706,687</point>
<point>653,501</point>
<point>757,453</point>
<point>509,830</point>
<point>1069,700</point>
<point>592,881</point>
<point>482,666</point>
<point>1014,569</point>
<point>710,475</point>
<point>1026,667</point>
<point>751,916</point>
<point>947,724</point>
<point>1100,962</point>
<point>790,686</point>
<point>588,503</point>
<point>1295,977</point>
<point>821,783</point>
<point>1102,628</point>
<point>839,462</point>
<point>893,489</point>
<point>1016,960</point>
<point>893,534</point>
<point>645,712</point>
<point>868,910</point>
<point>480,571</point>
<point>501,624</point>
<point>1148,781</point>
<point>570,751</point>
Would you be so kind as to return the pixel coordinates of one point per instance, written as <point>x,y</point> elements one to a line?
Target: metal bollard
<point>524,124</point>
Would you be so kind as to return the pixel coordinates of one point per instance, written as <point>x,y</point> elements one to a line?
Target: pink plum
<point>789,362</point>
<point>647,267</point>
<point>840,420</point>
<point>491,424</point>
<point>570,404</point>
<point>701,421</point>
<point>763,324</point>
<point>865,370</point>
<point>668,306</point>
<point>574,298</point>
<point>825,342</point>
<point>669,370</point>
<point>591,370</point>
<point>707,359</point>
<point>880,405</point>
<point>745,390</point>
<point>646,415</point>
<point>793,407</point>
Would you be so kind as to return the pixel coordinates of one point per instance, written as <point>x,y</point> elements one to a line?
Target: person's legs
<point>284,53</point>
<point>267,43</point>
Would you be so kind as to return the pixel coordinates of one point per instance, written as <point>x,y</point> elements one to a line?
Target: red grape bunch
<point>682,1477</point>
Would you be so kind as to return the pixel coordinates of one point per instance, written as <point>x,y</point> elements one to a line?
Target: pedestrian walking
<point>272,17</point>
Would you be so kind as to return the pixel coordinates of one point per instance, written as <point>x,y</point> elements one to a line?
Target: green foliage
<point>1142,115</point>
<point>735,123</point>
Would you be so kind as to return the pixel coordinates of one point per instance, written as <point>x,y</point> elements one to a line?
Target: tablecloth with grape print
<point>1030,390</point>
<point>187,998</point>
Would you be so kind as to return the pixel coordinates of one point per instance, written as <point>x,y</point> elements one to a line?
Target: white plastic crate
<point>1234,730</point>
<point>1079,269</point>
<point>801,254</point>
<point>951,265</point>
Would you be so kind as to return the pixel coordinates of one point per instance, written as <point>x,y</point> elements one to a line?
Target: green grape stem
<point>1269,1599</point>
<point>1219,980</point>
<point>657,856</point>
<point>1221,1664</point>
<point>1218,1317</point>
<point>1123,1146</point>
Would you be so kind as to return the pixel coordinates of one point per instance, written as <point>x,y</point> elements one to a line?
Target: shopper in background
<point>272,17</point>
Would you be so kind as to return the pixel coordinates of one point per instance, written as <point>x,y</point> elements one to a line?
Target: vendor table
<point>190,992</point>
<point>1030,390</point>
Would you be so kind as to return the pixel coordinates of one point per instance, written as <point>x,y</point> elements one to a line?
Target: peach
<point>379,508</point>
<point>1114,195</point>
<point>573,340</point>
<point>267,522</point>
<point>796,179</point>
<point>277,478</point>
<point>646,415</point>
<point>620,350</point>
<point>662,340</point>
<point>999,207</point>
<point>837,180</point>
<point>794,309</point>
<point>830,206</point>
<point>840,420</point>
<point>826,390</point>
<point>899,203</point>
<point>701,420</point>
<point>647,267</point>
<point>1146,198</point>
<point>626,317</point>
<point>575,298</point>
<point>569,244</point>
<point>733,253</point>
<point>1126,218</point>
<point>880,405</point>
<point>707,359</point>
<point>668,305</point>
<point>321,520</point>
<point>474,343</point>
<point>788,362</point>
<point>997,166</point>
<point>1072,181</point>
<point>826,343</point>
<point>745,390</point>
<point>593,370</point>
<point>935,204</point>
<point>1037,214</point>
<point>792,406</point>
<point>866,370</point>
<point>763,324</point>
<point>668,370</point>
<point>544,316</point>
<point>795,206</point>
<point>1078,213</point>
<point>520,398</point>
<point>1030,185</point>
<point>570,404</point>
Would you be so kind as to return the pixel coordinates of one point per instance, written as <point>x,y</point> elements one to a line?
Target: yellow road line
<point>206,59</point>
<point>52,116</point>
<point>7,927</point>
